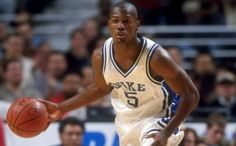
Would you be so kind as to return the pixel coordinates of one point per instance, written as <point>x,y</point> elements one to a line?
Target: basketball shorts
<point>135,133</point>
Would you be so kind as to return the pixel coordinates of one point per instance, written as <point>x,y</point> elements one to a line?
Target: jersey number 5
<point>131,98</point>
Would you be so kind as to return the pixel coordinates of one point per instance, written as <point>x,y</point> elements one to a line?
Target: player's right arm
<point>93,92</point>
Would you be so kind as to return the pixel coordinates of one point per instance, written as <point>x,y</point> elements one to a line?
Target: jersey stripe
<point>104,57</point>
<point>125,74</point>
<point>153,48</point>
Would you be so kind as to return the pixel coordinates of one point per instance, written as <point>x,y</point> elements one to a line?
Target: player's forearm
<point>88,95</point>
<point>188,102</point>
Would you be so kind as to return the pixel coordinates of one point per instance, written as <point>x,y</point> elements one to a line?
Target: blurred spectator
<point>152,12</point>
<point>12,88</point>
<point>212,12</point>
<point>91,33</point>
<point>71,86</point>
<point>55,70</point>
<point>191,11</point>
<point>22,17</point>
<point>78,55</point>
<point>225,92</point>
<point>104,9</point>
<point>203,75</point>
<point>2,138</point>
<point>216,131</point>
<point>87,75</point>
<point>32,41</point>
<point>71,132</point>
<point>14,48</point>
<point>3,31</point>
<point>3,34</point>
<point>176,54</point>
<point>190,138</point>
<point>230,11</point>
<point>40,56</point>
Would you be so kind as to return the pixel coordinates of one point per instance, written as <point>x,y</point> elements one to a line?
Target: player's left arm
<point>161,64</point>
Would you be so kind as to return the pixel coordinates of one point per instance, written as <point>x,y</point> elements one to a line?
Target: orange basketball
<point>27,117</point>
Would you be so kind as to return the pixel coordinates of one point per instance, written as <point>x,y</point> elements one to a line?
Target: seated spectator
<point>87,73</point>
<point>190,138</point>
<point>176,54</point>
<point>203,76</point>
<point>49,81</point>
<point>14,47</point>
<point>225,92</point>
<point>12,87</point>
<point>91,33</point>
<point>32,41</point>
<point>71,132</point>
<point>71,86</point>
<point>77,55</point>
<point>216,131</point>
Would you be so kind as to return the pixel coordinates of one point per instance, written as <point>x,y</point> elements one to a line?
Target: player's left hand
<point>160,139</point>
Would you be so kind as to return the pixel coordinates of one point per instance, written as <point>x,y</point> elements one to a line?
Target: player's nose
<point>120,26</point>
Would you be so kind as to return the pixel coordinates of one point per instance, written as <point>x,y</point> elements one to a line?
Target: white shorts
<point>134,133</point>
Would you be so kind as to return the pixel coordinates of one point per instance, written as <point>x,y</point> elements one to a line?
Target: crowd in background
<point>31,67</point>
<point>166,12</point>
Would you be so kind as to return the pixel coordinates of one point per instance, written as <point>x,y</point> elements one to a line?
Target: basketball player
<point>132,69</point>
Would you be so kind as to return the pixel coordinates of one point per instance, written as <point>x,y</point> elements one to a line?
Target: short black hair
<point>125,5</point>
<point>70,121</point>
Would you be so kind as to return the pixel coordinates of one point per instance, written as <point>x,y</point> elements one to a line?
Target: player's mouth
<point>121,35</point>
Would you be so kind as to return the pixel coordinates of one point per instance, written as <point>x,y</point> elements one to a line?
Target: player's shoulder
<point>151,44</point>
<point>156,50</point>
<point>98,52</point>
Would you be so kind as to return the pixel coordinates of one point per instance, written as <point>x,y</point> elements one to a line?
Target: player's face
<point>122,25</point>
<point>72,136</point>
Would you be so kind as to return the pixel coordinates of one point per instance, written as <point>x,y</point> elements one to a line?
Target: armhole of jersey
<point>103,58</point>
<point>150,53</point>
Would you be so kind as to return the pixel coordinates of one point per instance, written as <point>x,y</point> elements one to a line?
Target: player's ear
<point>138,24</point>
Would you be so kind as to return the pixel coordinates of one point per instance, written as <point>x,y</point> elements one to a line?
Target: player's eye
<point>126,21</point>
<point>114,20</point>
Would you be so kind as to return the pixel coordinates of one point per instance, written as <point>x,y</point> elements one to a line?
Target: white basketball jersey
<point>135,95</point>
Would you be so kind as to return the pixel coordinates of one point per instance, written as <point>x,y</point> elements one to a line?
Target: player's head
<point>123,22</point>
<point>215,128</point>
<point>71,132</point>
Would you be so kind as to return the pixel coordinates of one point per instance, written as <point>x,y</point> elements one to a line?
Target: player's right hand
<point>53,111</point>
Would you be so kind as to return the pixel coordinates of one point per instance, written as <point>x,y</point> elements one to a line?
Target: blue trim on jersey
<point>165,101</point>
<point>125,74</point>
<point>173,97</point>
<point>153,48</point>
<point>103,57</point>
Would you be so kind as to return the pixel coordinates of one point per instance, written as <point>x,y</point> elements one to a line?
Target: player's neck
<point>128,49</point>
